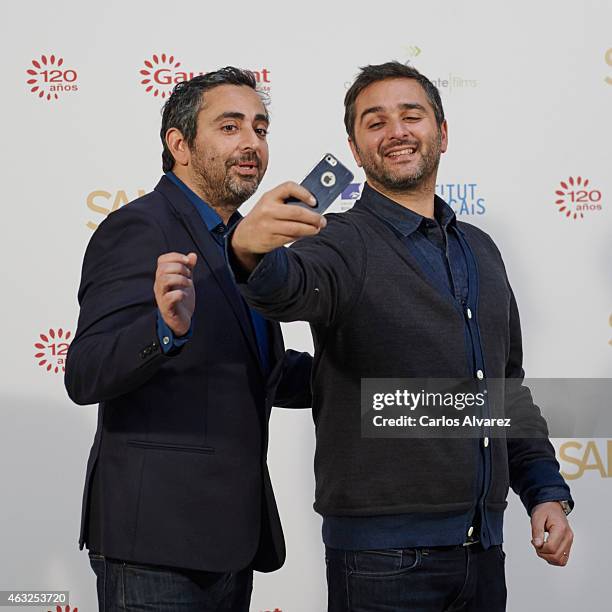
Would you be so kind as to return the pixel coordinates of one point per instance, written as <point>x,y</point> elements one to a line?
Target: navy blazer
<point>177,474</point>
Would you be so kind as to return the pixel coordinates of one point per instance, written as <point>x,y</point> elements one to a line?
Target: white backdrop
<point>527,88</point>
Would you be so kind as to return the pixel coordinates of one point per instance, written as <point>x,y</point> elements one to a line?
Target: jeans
<point>129,586</point>
<point>441,579</point>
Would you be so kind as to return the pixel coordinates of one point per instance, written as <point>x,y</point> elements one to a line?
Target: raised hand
<point>174,290</point>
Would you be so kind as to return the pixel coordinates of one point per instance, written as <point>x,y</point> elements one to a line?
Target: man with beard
<point>178,507</point>
<point>398,288</point>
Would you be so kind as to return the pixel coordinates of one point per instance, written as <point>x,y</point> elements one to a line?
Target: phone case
<point>326,181</point>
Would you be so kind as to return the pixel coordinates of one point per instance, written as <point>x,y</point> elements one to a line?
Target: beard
<point>224,188</point>
<point>400,179</point>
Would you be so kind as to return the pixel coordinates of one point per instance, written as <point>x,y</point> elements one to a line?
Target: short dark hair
<point>182,107</point>
<point>381,72</point>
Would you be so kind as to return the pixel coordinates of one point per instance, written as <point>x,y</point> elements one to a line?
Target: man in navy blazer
<point>178,507</point>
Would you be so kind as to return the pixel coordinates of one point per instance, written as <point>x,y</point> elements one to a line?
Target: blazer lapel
<point>213,257</point>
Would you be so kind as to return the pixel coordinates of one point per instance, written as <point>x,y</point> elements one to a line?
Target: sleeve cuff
<point>542,482</point>
<point>167,340</point>
<point>268,277</point>
<point>549,494</point>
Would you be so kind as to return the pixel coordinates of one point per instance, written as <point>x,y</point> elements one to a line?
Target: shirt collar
<point>402,219</point>
<point>209,215</point>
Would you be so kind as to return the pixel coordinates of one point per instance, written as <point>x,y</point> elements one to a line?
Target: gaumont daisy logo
<point>162,71</point>
<point>575,197</point>
<point>51,350</point>
<point>48,76</point>
<point>64,609</point>
<point>160,74</point>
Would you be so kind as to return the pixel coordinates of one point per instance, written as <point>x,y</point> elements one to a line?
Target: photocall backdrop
<point>527,89</point>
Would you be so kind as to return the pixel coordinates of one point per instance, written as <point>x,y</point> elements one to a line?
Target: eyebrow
<point>241,116</point>
<point>403,106</point>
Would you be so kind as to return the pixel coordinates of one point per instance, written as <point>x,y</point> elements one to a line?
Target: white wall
<point>529,104</point>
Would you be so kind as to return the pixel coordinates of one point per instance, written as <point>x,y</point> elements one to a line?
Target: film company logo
<point>64,609</point>
<point>447,83</point>
<point>104,202</point>
<point>48,77</point>
<point>463,198</point>
<point>453,82</point>
<point>411,51</point>
<point>161,72</point>
<point>578,457</point>
<point>575,197</point>
<point>609,62</point>
<point>349,195</point>
<point>51,350</point>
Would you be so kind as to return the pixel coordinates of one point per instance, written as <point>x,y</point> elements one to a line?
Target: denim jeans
<point>129,586</point>
<point>441,579</point>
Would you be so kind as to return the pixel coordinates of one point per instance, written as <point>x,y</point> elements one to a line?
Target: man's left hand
<point>549,517</point>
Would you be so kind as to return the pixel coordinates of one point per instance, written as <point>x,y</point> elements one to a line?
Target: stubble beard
<point>404,182</point>
<point>224,189</point>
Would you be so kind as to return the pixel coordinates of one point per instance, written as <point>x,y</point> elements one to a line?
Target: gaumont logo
<point>162,71</point>
<point>575,196</point>
<point>104,202</point>
<point>51,350</point>
<point>48,76</point>
<point>64,609</point>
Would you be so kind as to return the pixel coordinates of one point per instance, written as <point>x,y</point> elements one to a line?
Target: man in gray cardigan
<point>398,288</point>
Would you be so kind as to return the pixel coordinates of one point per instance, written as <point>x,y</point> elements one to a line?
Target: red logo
<point>575,197</point>
<point>162,72</point>
<point>64,609</point>
<point>48,76</point>
<point>51,352</point>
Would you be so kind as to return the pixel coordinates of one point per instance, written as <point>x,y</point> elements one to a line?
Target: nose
<point>250,141</point>
<point>397,129</point>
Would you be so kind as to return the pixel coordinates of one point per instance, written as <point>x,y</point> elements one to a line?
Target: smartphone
<point>326,181</point>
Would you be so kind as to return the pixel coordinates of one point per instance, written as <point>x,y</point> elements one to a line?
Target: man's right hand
<point>273,223</point>
<point>174,291</point>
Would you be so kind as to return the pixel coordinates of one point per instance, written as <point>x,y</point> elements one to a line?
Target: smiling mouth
<point>246,168</point>
<point>401,154</point>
